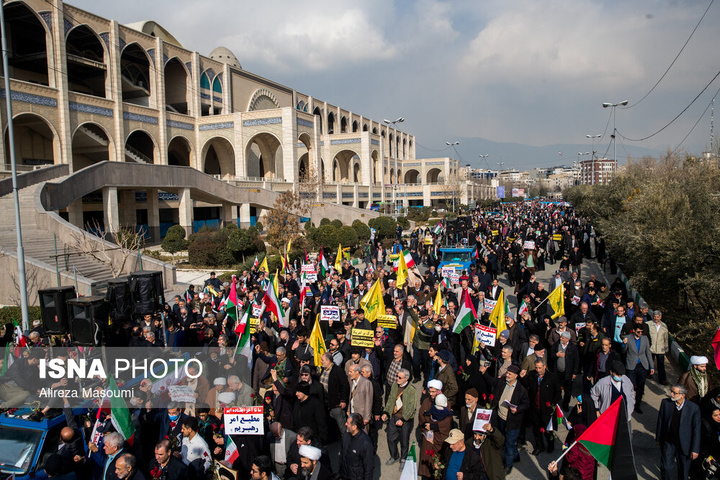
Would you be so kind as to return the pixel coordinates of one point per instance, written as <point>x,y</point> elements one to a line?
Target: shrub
<point>404,222</point>
<point>209,248</point>
<point>347,236</point>
<point>308,226</point>
<point>326,235</point>
<point>8,314</point>
<point>385,227</point>
<point>174,240</point>
<point>259,226</point>
<point>336,223</point>
<point>362,231</point>
<point>325,221</point>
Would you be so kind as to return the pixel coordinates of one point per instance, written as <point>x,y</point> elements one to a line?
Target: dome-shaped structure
<point>224,55</point>
<point>156,30</point>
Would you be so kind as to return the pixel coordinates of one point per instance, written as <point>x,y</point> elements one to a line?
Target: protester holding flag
<point>544,392</point>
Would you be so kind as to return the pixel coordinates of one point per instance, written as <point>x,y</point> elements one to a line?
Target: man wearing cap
<point>355,359</point>
<point>565,364</point>
<point>562,327</point>
<point>695,380</point>
<point>510,400</point>
<point>638,362</point>
<point>446,375</point>
<point>461,463</point>
<point>610,388</point>
<point>311,468</point>
<point>489,444</point>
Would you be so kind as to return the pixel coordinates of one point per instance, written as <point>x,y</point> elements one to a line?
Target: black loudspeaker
<point>119,299</point>
<point>54,308</point>
<point>148,292</point>
<point>88,319</point>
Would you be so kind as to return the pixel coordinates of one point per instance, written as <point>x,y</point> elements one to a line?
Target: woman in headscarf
<point>578,456</point>
<point>436,425</point>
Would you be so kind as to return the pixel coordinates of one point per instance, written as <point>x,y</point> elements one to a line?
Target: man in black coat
<point>310,412</point>
<point>566,365</point>
<point>471,466</point>
<point>357,457</point>
<point>678,433</point>
<point>170,421</point>
<point>377,405</point>
<point>510,414</point>
<point>166,465</point>
<point>545,392</point>
<point>337,390</point>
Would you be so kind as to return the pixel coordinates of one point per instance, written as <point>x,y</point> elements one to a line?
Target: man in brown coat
<point>447,376</point>
<point>696,380</point>
<point>361,395</point>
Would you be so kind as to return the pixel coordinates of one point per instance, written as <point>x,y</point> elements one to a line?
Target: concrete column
<point>427,198</point>
<point>57,74</point>
<point>153,213</point>
<point>75,213</point>
<point>229,213</point>
<point>289,147</point>
<point>185,210</point>
<point>115,85</point>
<point>356,195</point>
<point>128,215</point>
<point>162,145</point>
<point>339,197</point>
<point>110,209</point>
<point>244,215</point>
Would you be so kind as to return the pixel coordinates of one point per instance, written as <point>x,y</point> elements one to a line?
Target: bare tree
<point>34,283</point>
<point>113,249</point>
<point>283,223</point>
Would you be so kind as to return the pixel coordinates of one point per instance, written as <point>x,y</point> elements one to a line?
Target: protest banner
<point>529,245</point>
<point>330,313</point>
<point>486,335</point>
<point>181,393</point>
<point>482,418</point>
<point>386,321</point>
<point>489,305</point>
<point>362,338</point>
<point>244,421</point>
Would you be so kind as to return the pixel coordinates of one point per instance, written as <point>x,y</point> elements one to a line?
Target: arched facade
<point>180,152</point>
<point>91,144</point>
<point>29,42</point>
<point>218,157</point>
<point>412,176</point>
<point>263,156</point>
<point>36,141</point>
<point>86,62</point>
<point>135,75</point>
<point>434,175</point>
<point>344,166</point>
<point>176,92</point>
<point>140,147</point>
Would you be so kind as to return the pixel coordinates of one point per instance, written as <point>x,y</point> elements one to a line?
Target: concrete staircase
<point>40,244</point>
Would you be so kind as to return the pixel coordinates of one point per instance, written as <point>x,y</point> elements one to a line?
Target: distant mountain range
<point>527,157</point>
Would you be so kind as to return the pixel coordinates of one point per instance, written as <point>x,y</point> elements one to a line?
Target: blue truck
<point>460,258</point>
<point>26,444</point>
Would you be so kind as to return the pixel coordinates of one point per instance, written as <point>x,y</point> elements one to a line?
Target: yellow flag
<point>317,342</point>
<point>275,283</point>
<point>497,316</point>
<point>338,260</point>
<point>402,272</point>
<point>264,265</point>
<point>373,303</point>
<point>284,265</point>
<point>557,301</point>
<point>438,301</point>
<point>288,247</point>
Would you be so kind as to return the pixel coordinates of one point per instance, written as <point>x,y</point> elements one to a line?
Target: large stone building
<point>86,89</point>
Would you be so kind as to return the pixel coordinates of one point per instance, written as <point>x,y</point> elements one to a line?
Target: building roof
<point>224,55</point>
<point>153,28</point>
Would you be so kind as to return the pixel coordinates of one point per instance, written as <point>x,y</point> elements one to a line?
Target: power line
<point>676,117</point>
<point>696,123</point>
<point>674,60</point>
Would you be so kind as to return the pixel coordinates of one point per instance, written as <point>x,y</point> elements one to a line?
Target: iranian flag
<point>256,262</point>
<point>244,345</point>
<point>272,304</point>
<point>324,267</point>
<point>608,440</point>
<point>8,360</point>
<point>409,471</point>
<point>349,284</point>
<point>523,308</point>
<point>19,339</point>
<point>231,451</point>
<point>240,328</point>
<point>119,412</point>
<point>231,302</point>
<point>466,315</point>
<point>409,260</point>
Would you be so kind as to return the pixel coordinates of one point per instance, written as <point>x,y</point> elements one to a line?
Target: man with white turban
<point>696,380</point>
<point>311,467</point>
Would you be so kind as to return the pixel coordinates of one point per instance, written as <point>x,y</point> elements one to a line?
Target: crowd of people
<point>421,380</point>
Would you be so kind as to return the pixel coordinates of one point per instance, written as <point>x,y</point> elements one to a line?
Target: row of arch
<point>87,64</point>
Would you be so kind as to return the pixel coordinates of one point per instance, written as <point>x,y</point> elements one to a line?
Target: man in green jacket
<point>399,412</point>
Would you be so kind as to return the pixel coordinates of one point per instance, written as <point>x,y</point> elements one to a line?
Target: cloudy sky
<point>481,71</point>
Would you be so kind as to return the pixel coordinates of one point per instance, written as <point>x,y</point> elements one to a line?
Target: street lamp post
<point>452,179</point>
<point>388,123</point>
<point>593,137</point>
<point>482,187</point>
<point>614,138</point>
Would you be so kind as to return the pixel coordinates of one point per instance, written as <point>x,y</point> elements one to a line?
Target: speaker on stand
<point>88,320</point>
<point>54,309</point>
<point>148,291</point>
<point>119,299</point>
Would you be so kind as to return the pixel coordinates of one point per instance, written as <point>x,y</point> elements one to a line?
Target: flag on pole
<point>284,263</point>
<point>19,339</point>
<point>324,267</point>
<point>557,301</point>
<point>240,327</point>
<point>272,304</point>
<point>244,345</point>
<point>402,272</point>
<point>338,259</point>
<point>523,308</point>
<point>409,471</point>
<point>231,302</point>
<point>256,263</point>
<point>556,419</point>
<point>231,451</point>
<point>716,347</point>
<point>8,360</point>
<point>438,228</point>
<point>264,265</point>
<point>497,316</point>
<point>275,283</point>
<point>373,303</point>
<point>317,342</point>
<point>119,412</point>
<point>409,260</point>
<point>608,440</point>
<point>438,301</point>
<point>287,251</point>
<point>466,316</point>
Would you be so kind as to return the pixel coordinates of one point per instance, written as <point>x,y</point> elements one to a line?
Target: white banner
<point>489,305</point>
<point>330,313</point>
<point>486,335</point>
<point>181,393</point>
<point>243,421</point>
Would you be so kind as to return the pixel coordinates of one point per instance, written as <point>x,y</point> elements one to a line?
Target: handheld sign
<point>253,324</point>
<point>386,321</point>
<point>447,271</point>
<point>330,313</point>
<point>362,338</point>
<point>310,272</point>
<point>489,305</point>
<point>482,418</point>
<point>243,421</point>
<point>529,245</point>
<point>486,335</point>
<point>256,310</point>
<point>181,393</point>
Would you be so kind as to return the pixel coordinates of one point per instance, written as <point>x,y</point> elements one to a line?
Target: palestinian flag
<point>231,302</point>
<point>119,412</point>
<point>608,440</point>
<point>559,418</point>
<point>272,304</point>
<point>324,267</point>
<point>438,228</point>
<point>466,316</point>
<point>188,297</point>
<point>409,471</point>
<point>231,451</point>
